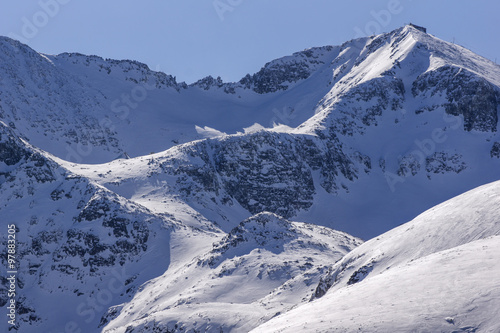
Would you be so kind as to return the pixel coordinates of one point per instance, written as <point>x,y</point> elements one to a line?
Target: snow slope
<point>433,274</point>
<point>87,109</point>
<point>80,247</point>
<point>86,251</point>
<point>263,267</point>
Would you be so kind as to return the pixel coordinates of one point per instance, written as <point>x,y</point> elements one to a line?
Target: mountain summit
<point>387,120</point>
<point>109,168</point>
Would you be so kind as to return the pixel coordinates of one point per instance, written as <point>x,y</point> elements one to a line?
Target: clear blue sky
<point>194,38</point>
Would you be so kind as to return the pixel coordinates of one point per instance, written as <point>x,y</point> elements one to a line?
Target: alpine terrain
<point>273,204</point>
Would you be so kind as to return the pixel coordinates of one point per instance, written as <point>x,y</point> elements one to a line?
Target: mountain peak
<point>8,40</point>
<point>10,47</point>
<point>417,27</point>
<point>266,218</point>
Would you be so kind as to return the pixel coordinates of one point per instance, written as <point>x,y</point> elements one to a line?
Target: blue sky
<point>195,38</point>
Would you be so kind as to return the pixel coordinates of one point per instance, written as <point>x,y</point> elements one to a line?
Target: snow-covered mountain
<point>80,247</point>
<point>84,108</point>
<point>263,267</point>
<point>436,273</point>
<point>128,188</point>
<point>401,119</point>
<point>85,250</point>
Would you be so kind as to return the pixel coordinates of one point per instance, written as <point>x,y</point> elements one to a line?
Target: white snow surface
<point>433,274</point>
<point>264,267</point>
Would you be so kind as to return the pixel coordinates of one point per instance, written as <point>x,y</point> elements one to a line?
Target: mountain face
<point>86,251</point>
<point>83,108</point>
<point>128,189</point>
<point>387,120</point>
<point>263,267</point>
<point>432,274</point>
<point>78,243</point>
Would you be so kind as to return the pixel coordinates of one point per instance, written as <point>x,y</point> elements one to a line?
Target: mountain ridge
<point>412,103</point>
<point>111,169</point>
<point>262,267</point>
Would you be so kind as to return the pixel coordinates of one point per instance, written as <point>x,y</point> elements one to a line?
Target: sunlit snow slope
<point>263,267</point>
<point>436,273</point>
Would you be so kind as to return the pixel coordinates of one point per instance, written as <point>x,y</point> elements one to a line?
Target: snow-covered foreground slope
<point>436,273</point>
<point>263,267</point>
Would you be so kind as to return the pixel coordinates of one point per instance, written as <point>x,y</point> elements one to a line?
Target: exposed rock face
<point>280,74</point>
<point>71,234</point>
<point>208,82</point>
<point>131,70</point>
<point>495,150</point>
<point>467,95</point>
<point>264,171</point>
